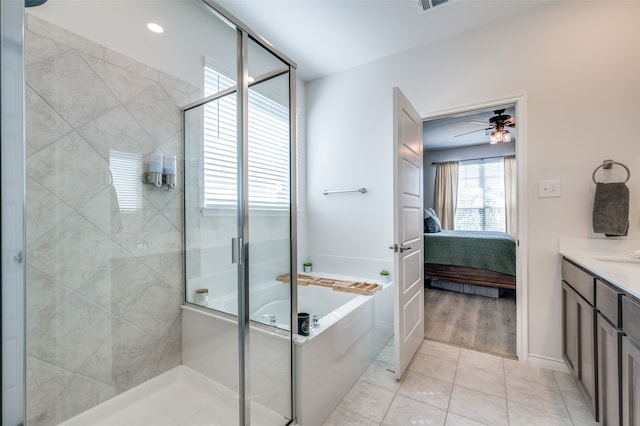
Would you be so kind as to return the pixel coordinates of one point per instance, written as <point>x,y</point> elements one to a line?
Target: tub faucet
<point>315,320</point>
<point>272,319</point>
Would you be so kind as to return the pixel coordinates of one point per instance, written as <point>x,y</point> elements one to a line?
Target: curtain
<point>446,193</point>
<point>510,194</point>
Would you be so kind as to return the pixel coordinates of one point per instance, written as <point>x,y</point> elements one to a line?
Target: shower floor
<point>179,397</point>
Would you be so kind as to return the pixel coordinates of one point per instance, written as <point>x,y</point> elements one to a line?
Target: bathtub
<point>350,332</point>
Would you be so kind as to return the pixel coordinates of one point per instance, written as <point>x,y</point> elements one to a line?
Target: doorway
<point>468,302</point>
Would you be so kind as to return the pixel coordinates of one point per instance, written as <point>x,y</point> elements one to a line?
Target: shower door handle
<point>237,250</point>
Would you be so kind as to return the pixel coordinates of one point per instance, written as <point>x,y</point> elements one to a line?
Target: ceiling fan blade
<point>473,131</point>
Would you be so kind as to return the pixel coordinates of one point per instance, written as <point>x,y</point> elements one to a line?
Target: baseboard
<point>548,363</point>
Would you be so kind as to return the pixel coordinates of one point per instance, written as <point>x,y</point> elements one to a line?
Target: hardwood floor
<point>477,322</point>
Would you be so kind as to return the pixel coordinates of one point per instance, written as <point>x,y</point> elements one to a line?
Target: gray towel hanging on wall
<point>611,205</point>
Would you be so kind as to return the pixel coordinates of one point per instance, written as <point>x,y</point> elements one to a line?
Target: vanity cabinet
<point>601,344</point>
<point>570,327</point>
<point>609,342</point>
<point>630,362</point>
<point>579,325</point>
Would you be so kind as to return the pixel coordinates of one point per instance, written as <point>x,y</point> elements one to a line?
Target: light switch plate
<point>548,188</point>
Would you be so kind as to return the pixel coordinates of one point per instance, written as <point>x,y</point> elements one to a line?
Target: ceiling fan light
<point>506,136</point>
<point>493,138</point>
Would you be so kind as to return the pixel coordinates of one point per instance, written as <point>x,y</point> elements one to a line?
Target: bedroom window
<point>481,196</point>
<point>268,147</point>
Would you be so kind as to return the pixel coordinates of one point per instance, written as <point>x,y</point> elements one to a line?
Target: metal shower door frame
<point>244,35</point>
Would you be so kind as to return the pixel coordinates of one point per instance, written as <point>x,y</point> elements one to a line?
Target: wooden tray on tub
<point>356,287</point>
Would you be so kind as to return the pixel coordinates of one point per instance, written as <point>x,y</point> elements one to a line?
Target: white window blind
<point>481,200</point>
<point>268,148</point>
<point>126,169</point>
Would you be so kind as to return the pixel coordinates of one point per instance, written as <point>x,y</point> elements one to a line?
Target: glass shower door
<point>238,228</point>
<point>270,242</point>
<point>211,205</point>
<point>211,228</point>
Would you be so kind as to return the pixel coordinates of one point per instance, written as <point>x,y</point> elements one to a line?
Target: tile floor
<point>448,385</point>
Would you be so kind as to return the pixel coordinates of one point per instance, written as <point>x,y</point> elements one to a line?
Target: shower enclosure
<point>111,260</point>
<point>240,220</point>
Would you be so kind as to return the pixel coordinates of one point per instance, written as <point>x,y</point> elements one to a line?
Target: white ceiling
<point>328,36</point>
<point>442,133</point>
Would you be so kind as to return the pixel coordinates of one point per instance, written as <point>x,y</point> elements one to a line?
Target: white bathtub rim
<point>324,322</point>
<point>230,319</point>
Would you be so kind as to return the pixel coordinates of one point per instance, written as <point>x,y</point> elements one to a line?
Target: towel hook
<point>608,164</point>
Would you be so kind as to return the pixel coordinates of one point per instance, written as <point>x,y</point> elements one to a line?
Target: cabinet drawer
<point>581,281</point>
<point>631,318</point>
<point>608,302</point>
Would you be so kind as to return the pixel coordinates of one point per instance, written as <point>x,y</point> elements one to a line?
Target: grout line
<point>453,384</point>
<point>566,406</point>
<point>384,416</point>
<point>506,394</point>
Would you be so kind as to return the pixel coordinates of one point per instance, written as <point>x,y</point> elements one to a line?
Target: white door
<point>408,222</point>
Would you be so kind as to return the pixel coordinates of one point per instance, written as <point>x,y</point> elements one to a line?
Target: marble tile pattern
<point>104,285</point>
<point>452,386</point>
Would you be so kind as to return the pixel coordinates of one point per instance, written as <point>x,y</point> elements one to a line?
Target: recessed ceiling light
<point>156,28</point>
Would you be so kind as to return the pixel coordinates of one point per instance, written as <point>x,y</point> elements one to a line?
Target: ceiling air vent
<point>424,5</point>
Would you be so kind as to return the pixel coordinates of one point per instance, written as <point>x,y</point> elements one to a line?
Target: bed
<point>472,257</point>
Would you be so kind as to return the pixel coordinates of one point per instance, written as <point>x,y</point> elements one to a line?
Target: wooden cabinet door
<point>630,382</point>
<point>570,328</point>
<point>609,340</point>
<point>587,352</point>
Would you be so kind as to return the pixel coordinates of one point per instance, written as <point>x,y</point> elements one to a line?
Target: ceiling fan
<point>497,125</point>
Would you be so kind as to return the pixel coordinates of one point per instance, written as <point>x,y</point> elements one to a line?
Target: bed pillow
<point>431,222</point>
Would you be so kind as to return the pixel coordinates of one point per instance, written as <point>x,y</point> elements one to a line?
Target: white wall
<point>576,63</point>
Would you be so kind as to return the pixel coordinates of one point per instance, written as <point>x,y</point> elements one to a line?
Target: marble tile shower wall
<point>104,280</point>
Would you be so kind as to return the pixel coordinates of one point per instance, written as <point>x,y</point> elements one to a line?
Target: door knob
<point>400,249</point>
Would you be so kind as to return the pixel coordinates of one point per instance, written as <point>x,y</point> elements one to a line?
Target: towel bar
<point>607,164</point>
<point>340,191</point>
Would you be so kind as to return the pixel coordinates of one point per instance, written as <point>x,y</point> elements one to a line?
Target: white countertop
<point>608,259</point>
